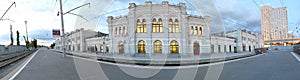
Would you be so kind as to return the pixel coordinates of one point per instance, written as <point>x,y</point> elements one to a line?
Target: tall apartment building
<point>274,23</point>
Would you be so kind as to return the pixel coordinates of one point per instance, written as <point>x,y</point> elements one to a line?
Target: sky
<point>42,15</point>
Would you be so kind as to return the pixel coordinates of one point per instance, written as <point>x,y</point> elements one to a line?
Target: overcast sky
<point>42,15</point>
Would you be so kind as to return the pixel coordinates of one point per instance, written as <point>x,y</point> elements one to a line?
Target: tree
<point>34,43</point>
<point>52,45</point>
<point>27,42</point>
<point>18,38</point>
<point>11,36</point>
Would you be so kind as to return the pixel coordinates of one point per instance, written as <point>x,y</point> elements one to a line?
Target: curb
<point>160,61</point>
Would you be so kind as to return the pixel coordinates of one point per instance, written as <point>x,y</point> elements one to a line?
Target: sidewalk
<point>163,59</point>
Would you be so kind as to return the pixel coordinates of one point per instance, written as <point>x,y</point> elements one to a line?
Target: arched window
<point>157,46</point>
<point>116,30</point>
<point>124,30</point>
<point>225,49</point>
<point>176,26</point>
<point>141,47</point>
<point>120,30</point>
<point>157,26</point>
<point>170,25</point>
<point>244,47</point>
<point>121,47</point>
<point>101,48</point>
<point>249,48</point>
<point>144,26</point>
<point>154,25</point>
<point>174,47</point>
<point>139,28</point>
<point>196,30</point>
<point>160,25</point>
<point>107,48</point>
<point>192,30</point>
<point>200,31</point>
<point>219,48</point>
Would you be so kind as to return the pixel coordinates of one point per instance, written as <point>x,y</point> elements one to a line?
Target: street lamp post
<point>293,35</point>
<point>26,30</point>
<point>62,27</point>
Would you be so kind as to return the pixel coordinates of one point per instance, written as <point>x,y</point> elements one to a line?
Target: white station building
<point>162,29</point>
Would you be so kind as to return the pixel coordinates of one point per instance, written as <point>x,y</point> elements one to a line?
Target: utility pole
<point>26,30</point>
<point>62,21</point>
<point>62,27</point>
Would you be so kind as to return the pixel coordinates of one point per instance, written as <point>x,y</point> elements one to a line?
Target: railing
<point>7,59</point>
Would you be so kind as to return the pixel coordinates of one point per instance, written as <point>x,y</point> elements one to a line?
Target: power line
<point>64,2</point>
<point>256,4</point>
<point>261,1</point>
<point>236,18</point>
<point>281,3</point>
<point>53,16</point>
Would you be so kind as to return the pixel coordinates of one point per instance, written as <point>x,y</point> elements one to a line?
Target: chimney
<point>110,18</point>
<point>132,5</point>
<point>148,3</point>
<point>182,5</point>
<point>165,2</point>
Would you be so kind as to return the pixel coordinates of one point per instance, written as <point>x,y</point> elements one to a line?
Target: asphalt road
<point>49,65</point>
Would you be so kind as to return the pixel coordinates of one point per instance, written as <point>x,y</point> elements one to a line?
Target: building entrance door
<point>196,48</point>
<point>235,50</point>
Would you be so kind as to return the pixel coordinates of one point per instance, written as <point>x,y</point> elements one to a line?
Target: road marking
<point>296,56</point>
<point>165,67</point>
<point>15,75</point>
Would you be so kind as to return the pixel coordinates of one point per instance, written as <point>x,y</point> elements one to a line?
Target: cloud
<point>5,37</point>
<point>239,14</point>
<point>41,34</point>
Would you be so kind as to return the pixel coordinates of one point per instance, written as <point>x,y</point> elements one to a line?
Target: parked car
<point>261,50</point>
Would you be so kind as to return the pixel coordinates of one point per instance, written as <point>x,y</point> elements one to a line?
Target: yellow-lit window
<point>121,48</point>
<point>154,25</point>
<point>176,26</point>
<point>124,30</point>
<point>170,25</point>
<point>107,48</point>
<point>120,30</point>
<point>160,25</point>
<point>144,26</point>
<point>174,47</point>
<point>192,29</point>
<point>116,31</point>
<point>157,47</point>
<point>139,26</point>
<point>141,47</point>
<point>200,31</point>
<point>157,26</point>
<point>196,31</point>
